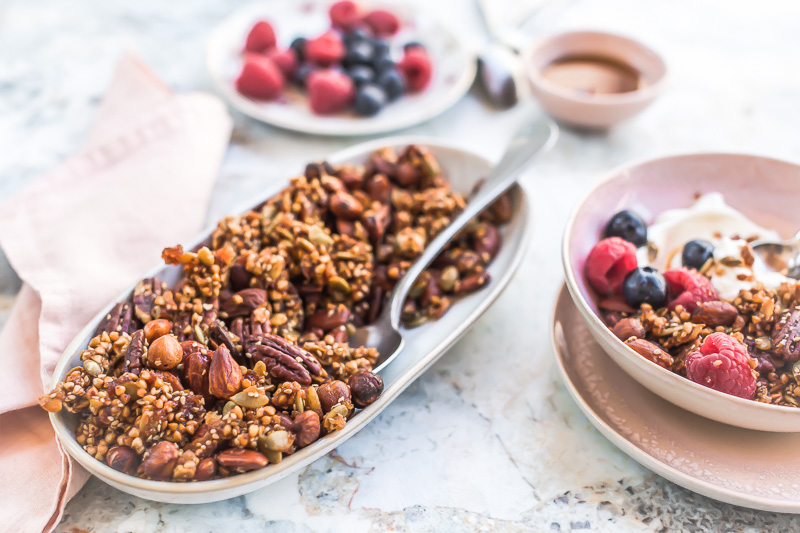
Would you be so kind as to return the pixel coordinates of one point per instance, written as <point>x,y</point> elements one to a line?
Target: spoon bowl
<point>782,257</point>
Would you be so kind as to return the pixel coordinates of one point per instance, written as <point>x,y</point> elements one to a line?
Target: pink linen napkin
<point>77,237</point>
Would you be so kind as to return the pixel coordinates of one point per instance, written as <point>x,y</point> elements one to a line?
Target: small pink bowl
<point>594,111</point>
<point>765,190</point>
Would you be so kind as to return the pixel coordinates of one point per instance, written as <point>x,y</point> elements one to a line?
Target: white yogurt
<point>711,219</point>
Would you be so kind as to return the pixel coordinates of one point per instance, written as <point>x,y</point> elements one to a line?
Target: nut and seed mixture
<point>247,359</point>
<point>765,321</point>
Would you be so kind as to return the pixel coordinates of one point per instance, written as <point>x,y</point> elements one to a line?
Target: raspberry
<point>286,61</point>
<point>345,15</point>
<point>382,23</point>
<point>722,364</point>
<point>261,38</point>
<point>326,50</point>
<point>260,78</point>
<point>689,288</point>
<point>329,91</point>
<point>608,263</point>
<point>416,67</point>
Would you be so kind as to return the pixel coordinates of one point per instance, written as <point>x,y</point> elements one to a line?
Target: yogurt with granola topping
<point>730,231</point>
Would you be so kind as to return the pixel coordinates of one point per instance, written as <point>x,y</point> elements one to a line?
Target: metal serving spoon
<point>529,142</point>
<point>496,66</point>
<point>783,257</point>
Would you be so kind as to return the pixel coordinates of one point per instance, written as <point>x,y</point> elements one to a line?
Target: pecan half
<point>714,314</point>
<point>224,374</point>
<point>327,319</point>
<point>145,295</point>
<point>241,459</point>
<point>283,359</point>
<point>244,302</point>
<point>133,356</point>
<point>119,319</point>
<point>786,336</point>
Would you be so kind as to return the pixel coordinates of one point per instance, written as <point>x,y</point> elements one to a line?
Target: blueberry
<point>369,100</point>
<point>696,253</point>
<point>412,44</point>
<point>302,73</point>
<point>645,285</point>
<point>355,36</point>
<point>393,83</point>
<point>359,53</point>
<point>384,64</point>
<point>361,74</point>
<point>380,48</point>
<point>628,226</point>
<point>299,47</point>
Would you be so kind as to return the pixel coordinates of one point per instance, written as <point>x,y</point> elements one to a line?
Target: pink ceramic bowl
<point>595,111</point>
<point>766,190</point>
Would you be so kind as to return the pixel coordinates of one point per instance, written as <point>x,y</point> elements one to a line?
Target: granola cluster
<point>766,322</point>
<point>246,359</point>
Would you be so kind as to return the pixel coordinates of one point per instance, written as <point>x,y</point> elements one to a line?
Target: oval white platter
<point>454,66</point>
<point>424,344</point>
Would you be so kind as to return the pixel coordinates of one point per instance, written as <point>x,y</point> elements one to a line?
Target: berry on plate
<point>260,78</point>
<point>261,38</point>
<point>358,53</point>
<point>393,84</point>
<point>361,74</point>
<point>722,364</point>
<point>416,67</point>
<point>645,285</point>
<point>326,50</point>
<point>382,23</point>
<point>696,253</point>
<point>299,47</point>
<point>608,263</point>
<point>369,100</point>
<point>329,91</point>
<point>689,288</point>
<point>345,15</point>
<point>629,226</point>
<point>286,60</point>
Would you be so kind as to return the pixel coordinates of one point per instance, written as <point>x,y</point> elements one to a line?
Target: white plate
<point>453,69</point>
<point>754,469</point>
<point>423,346</point>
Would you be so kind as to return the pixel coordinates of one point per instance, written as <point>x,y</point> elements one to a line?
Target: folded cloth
<point>77,237</point>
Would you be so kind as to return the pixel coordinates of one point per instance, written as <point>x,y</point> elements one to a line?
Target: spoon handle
<point>528,143</point>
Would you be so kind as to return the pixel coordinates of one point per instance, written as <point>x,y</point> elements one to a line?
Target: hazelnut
<point>332,393</point>
<point>161,460</point>
<point>627,328</point>
<point>306,428</point>
<point>123,458</point>
<point>365,387</point>
<point>165,353</point>
<point>157,328</point>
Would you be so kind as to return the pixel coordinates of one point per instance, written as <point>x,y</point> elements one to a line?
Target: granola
<point>246,359</point>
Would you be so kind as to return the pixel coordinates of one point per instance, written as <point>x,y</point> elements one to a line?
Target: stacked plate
<point>728,448</point>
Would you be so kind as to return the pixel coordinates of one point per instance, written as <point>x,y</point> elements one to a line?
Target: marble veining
<point>487,439</point>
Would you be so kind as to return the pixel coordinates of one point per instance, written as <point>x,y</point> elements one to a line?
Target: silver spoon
<point>529,142</point>
<point>783,257</point>
<point>496,67</point>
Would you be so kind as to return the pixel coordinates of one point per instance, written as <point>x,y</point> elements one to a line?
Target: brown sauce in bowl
<point>593,75</point>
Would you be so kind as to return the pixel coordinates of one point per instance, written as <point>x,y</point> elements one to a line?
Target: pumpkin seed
<point>251,398</point>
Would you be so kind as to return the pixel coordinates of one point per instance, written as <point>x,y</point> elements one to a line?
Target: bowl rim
<point>586,311</point>
<point>648,92</point>
<point>66,440</point>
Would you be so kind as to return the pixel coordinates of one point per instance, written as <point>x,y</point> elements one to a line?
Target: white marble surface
<point>487,439</point>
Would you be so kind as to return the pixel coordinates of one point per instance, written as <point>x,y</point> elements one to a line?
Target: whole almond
<point>627,328</point>
<point>651,351</point>
<point>241,459</point>
<point>714,314</point>
<point>224,374</point>
<point>206,469</point>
